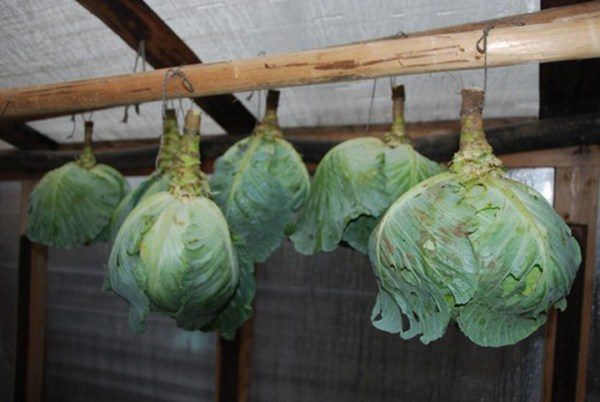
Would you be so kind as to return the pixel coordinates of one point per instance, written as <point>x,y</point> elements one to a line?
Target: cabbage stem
<point>397,134</point>
<point>169,142</point>
<point>269,125</point>
<point>188,179</point>
<point>87,160</point>
<point>475,156</point>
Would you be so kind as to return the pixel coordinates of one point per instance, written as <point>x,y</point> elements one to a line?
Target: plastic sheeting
<point>58,40</point>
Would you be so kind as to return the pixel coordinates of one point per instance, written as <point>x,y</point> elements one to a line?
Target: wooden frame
<point>544,36</point>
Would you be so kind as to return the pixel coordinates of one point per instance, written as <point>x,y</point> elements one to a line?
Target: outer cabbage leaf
<point>358,231</point>
<point>174,256</point>
<point>260,183</point>
<point>72,205</point>
<point>528,261</point>
<point>423,260</point>
<point>239,307</point>
<point>153,184</point>
<point>354,184</point>
<point>489,253</point>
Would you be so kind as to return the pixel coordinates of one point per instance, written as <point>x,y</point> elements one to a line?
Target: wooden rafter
<point>23,136</point>
<point>330,133</point>
<point>133,21</point>
<point>570,33</point>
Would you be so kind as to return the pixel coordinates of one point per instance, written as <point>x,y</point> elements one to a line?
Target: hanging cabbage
<point>356,182</point>
<point>72,205</point>
<point>157,181</point>
<point>173,254</point>
<point>260,183</point>
<point>471,246</point>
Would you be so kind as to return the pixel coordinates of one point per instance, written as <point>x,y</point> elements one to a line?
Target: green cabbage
<point>355,183</point>
<point>72,205</point>
<point>260,183</point>
<point>174,254</point>
<point>159,180</point>
<point>471,246</point>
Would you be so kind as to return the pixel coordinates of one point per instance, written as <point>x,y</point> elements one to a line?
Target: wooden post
<point>31,312</point>
<point>569,33</point>
<point>577,202</point>
<point>233,366</point>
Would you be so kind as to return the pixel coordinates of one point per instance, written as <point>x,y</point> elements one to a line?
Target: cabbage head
<point>355,183</point>
<point>159,180</point>
<point>260,183</point>
<point>174,253</point>
<point>72,205</point>
<point>471,246</point>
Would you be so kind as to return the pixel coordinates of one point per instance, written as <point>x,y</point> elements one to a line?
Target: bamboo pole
<point>573,32</point>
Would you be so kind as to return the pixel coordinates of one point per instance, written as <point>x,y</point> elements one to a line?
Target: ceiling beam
<point>134,21</point>
<point>23,136</point>
<point>328,133</point>
<point>572,32</point>
<point>582,131</point>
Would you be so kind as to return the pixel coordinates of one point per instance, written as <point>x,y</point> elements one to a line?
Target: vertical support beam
<point>569,88</point>
<point>233,366</point>
<point>576,200</point>
<point>31,312</point>
<point>566,327</point>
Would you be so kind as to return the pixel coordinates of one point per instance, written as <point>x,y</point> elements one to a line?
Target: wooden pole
<point>572,32</point>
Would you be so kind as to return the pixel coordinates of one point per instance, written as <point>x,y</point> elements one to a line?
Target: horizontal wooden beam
<point>582,132</point>
<point>573,32</point>
<point>329,133</point>
<point>23,136</point>
<point>134,21</point>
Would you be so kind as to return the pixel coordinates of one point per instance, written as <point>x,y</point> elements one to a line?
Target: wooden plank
<point>577,202</point>
<point>566,327</point>
<point>23,136</point>
<point>134,21</point>
<point>233,366</point>
<point>572,35</point>
<point>31,310</point>
<point>328,133</point>
<point>570,88</point>
<point>559,157</point>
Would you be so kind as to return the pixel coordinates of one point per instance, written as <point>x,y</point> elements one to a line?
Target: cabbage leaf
<point>73,204</point>
<point>260,183</point>
<point>159,180</point>
<point>354,184</point>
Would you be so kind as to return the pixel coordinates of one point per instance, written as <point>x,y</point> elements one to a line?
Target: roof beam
<point>581,130</point>
<point>134,21</point>
<point>569,33</point>
<point>23,136</point>
<point>328,133</point>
